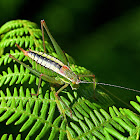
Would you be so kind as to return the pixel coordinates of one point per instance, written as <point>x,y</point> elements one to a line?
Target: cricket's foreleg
<point>56,94</point>
<point>93,76</point>
<point>94,82</point>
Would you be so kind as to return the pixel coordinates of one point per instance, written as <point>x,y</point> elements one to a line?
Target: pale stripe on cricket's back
<point>51,63</point>
<point>46,60</point>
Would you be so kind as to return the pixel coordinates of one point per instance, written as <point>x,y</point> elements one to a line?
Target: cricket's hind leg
<point>57,48</point>
<point>43,36</point>
<point>38,85</point>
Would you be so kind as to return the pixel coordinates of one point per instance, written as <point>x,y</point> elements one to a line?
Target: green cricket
<point>55,70</point>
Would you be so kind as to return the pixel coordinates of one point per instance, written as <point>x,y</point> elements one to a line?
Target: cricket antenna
<point>106,84</point>
<point>25,52</point>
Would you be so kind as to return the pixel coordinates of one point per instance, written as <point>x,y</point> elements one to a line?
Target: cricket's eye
<point>73,82</point>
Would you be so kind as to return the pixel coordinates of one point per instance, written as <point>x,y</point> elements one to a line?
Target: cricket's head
<point>74,85</point>
<point>70,75</point>
<point>75,80</point>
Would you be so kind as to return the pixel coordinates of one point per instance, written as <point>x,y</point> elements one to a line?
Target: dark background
<point>101,35</point>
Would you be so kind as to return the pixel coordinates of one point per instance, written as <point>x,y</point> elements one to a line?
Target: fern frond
<point>39,117</point>
<point>38,112</point>
<point>5,137</point>
<point>102,125</point>
<point>28,41</point>
<point>18,76</point>
<point>22,32</point>
<point>136,105</point>
<point>14,24</point>
<point>5,59</point>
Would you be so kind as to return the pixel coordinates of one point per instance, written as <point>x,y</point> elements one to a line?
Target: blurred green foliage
<point>103,36</point>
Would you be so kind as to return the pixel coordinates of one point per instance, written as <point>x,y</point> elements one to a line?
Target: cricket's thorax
<point>53,64</point>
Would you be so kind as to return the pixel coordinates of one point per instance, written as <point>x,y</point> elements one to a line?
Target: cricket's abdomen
<point>51,66</point>
<point>44,63</point>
